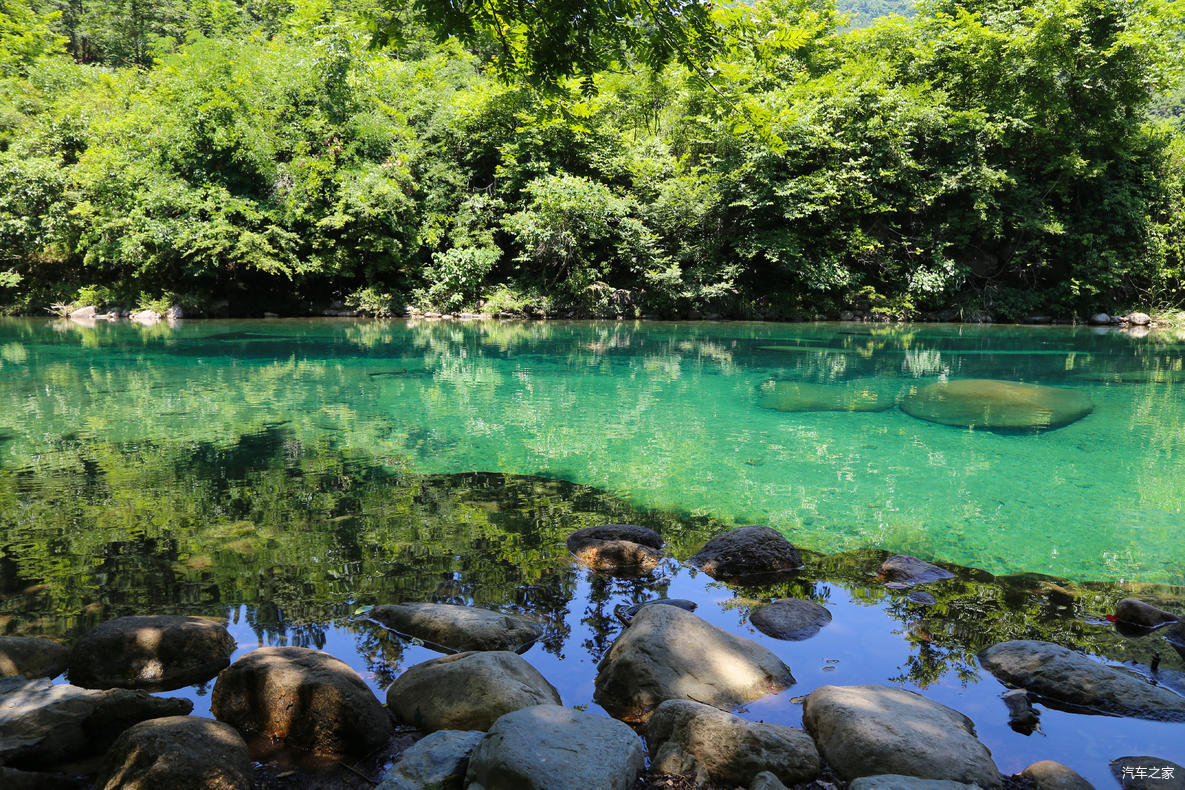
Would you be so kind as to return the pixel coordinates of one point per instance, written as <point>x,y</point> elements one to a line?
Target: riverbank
<point>926,637</point>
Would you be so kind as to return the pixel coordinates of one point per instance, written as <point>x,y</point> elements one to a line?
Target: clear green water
<point>662,415</point>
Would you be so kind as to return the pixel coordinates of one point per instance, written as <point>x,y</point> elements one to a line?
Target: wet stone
<point>804,396</point>
<point>903,570</point>
<point>791,619</point>
<point>627,613</point>
<point>748,554</point>
<point>448,627</point>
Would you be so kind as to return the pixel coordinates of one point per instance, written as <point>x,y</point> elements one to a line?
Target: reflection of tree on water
<point>293,537</point>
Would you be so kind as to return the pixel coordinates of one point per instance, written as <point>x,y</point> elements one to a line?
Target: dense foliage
<point>767,160</point>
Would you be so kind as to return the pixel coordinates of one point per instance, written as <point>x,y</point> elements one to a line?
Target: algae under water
<point>288,473</point>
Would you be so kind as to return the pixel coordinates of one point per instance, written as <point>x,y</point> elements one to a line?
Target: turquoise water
<point>663,415</point>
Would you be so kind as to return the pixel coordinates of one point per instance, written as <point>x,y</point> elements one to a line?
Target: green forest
<point>783,159</point>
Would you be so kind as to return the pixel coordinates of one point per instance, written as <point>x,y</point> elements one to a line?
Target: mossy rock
<point>806,396</point>
<point>996,405</point>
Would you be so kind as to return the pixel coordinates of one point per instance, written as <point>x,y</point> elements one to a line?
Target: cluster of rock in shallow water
<point>491,721</point>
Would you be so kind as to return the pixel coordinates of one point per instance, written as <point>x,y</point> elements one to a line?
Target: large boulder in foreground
<point>996,405</point>
<point>447,627</point>
<point>746,554</point>
<point>153,652</point>
<point>1062,677</point>
<point>621,549</point>
<point>305,697</point>
<point>32,657</point>
<point>177,753</point>
<point>552,748</point>
<point>688,738</point>
<point>795,396</point>
<point>872,730</point>
<point>438,761</point>
<point>43,725</point>
<point>467,691</point>
<point>792,619</point>
<point>668,653</point>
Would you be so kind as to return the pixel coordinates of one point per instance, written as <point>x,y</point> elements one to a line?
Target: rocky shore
<point>482,717</point>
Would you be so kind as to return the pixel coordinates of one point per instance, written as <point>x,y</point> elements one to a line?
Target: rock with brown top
<point>153,652</point>
<point>177,753</point>
<point>621,549</point>
<point>907,570</point>
<point>308,698</point>
<point>1133,611</point>
<point>1048,775</point>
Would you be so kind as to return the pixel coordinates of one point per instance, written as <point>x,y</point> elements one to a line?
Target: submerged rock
<point>792,619</point>
<point>689,738</point>
<point>547,747</point>
<point>626,614</point>
<point>794,396</point>
<point>1061,676</point>
<point>748,554</point>
<point>1136,612</point>
<point>448,627</point>
<point>177,753</point>
<point>303,696</point>
<point>467,691</point>
<point>32,657</point>
<point>438,761</point>
<point>617,548</point>
<point>996,405</point>
<point>906,570</point>
<point>1048,775</point>
<point>44,725</point>
<point>1148,773</point>
<point>152,652</point>
<point>667,653</point>
<point>872,730</point>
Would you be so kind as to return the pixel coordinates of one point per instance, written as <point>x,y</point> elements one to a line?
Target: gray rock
<point>84,313</point>
<point>145,316</point>
<point>626,614</point>
<point>467,691</point>
<point>177,753</point>
<point>447,627</point>
<point>871,730</point>
<point>898,782</point>
<point>43,725</point>
<point>1136,612</point>
<point>1048,775</point>
<point>152,652</point>
<point>303,696</point>
<point>438,761</point>
<point>746,554</point>
<point>904,569</point>
<point>552,748</point>
<point>32,657</point>
<point>688,738</point>
<point>792,619</point>
<point>623,549</point>
<point>766,781</point>
<point>1152,776</point>
<point>1061,676</point>
<point>668,653</point>
<point>1100,318</point>
<point>1138,319</point>
<point>174,313</point>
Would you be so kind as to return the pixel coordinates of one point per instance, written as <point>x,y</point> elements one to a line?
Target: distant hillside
<point>864,12</point>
